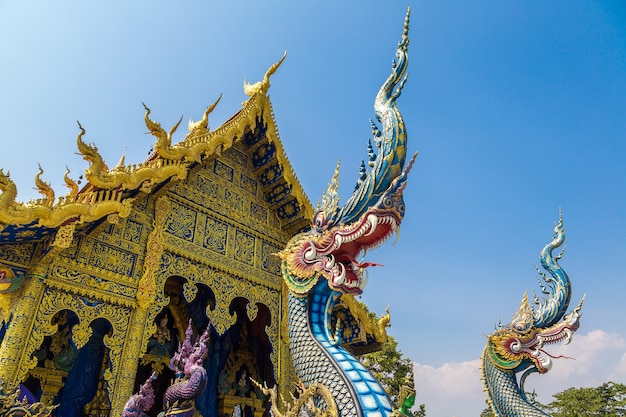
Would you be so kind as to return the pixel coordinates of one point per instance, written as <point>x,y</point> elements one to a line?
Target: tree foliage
<point>607,400</point>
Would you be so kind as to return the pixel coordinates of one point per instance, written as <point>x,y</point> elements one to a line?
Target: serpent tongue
<point>354,262</point>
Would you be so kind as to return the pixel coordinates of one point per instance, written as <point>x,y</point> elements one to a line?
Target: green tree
<point>607,400</point>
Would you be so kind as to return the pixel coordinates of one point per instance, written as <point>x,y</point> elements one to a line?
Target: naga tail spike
<point>390,139</point>
<point>558,288</point>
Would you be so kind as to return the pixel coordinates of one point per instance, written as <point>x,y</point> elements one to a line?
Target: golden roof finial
<point>121,163</point>
<point>44,187</point>
<point>262,86</point>
<point>71,184</point>
<point>203,123</point>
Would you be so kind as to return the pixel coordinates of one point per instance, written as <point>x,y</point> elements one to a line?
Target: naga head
<point>178,360</point>
<point>520,344</point>
<point>199,353</point>
<point>146,393</point>
<point>339,236</point>
<point>163,138</point>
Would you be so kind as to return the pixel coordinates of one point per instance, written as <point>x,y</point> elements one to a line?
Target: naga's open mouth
<point>336,254</point>
<point>531,346</point>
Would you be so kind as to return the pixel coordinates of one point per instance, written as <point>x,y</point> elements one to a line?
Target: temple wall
<point>215,228</point>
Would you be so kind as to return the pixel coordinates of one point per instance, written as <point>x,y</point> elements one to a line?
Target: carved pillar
<point>12,351</point>
<point>130,360</point>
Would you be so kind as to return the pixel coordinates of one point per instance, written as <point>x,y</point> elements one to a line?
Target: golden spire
<point>203,124</point>
<point>71,184</point>
<point>44,187</point>
<point>262,86</point>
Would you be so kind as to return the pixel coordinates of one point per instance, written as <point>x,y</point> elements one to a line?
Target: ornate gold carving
<point>189,291</point>
<point>182,221</point>
<point>252,310</point>
<point>17,254</point>
<point>44,188</point>
<point>86,207</point>
<point>64,236</point>
<point>112,259</point>
<point>154,248</point>
<point>84,284</point>
<point>244,247</point>
<point>157,363</point>
<point>126,375</point>
<point>261,87</point>
<point>51,381</point>
<point>303,400</point>
<point>238,208</point>
<point>87,311</point>
<point>11,405</point>
<point>70,183</point>
<point>225,287</point>
<point>153,171</point>
<point>163,146</point>
<point>12,349</point>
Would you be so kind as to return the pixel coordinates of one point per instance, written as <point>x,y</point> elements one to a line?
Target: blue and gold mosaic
<point>183,223</point>
<point>207,187</point>
<point>248,184</point>
<point>244,247</point>
<point>289,210</point>
<point>278,193</point>
<point>271,175</point>
<point>263,154</point>
<point>222,170</point>
<point>112,259</point>
<point>215,235</point>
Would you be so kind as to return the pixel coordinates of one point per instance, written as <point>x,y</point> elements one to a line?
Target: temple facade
<point>98,287</point>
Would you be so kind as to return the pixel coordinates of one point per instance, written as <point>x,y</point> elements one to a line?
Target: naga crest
<point>338,236</point>
<point>520,344</point>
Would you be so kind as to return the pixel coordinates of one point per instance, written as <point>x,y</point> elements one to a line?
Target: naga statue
<point>320,265</point>
<point>519,346</point>
<point>190,382</point>
<point>139,403</point>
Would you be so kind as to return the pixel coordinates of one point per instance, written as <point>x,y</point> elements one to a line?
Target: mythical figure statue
<point>321,265</point>
<point>191,379</point>
<point>138,404</point>
<point>519,346</point>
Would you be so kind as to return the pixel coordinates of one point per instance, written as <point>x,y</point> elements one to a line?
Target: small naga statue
<point>190,382</point>
<point>138,404</point>
<point>519,346</point>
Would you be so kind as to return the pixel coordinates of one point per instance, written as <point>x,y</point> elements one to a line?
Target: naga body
<point>519,346</point>
<point>191,380</point>
<point>320,265</point>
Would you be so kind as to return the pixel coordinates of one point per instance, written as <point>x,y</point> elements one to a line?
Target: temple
<point>98,287</point>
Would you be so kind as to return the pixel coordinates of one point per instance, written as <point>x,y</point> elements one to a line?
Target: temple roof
<point>110,192</point>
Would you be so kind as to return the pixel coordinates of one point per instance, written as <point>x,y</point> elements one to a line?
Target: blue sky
<point>517,109</point>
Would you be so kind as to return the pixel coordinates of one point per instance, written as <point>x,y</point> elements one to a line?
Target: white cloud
<point>455,390</point>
